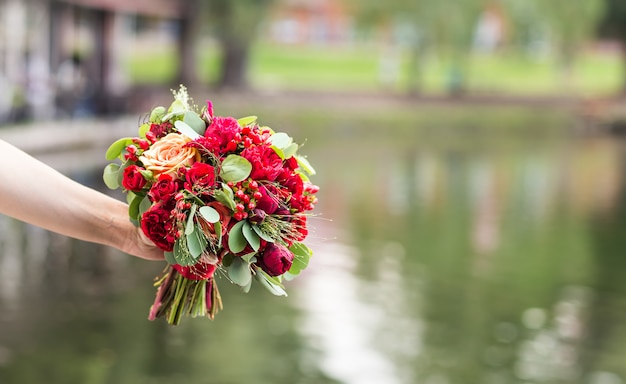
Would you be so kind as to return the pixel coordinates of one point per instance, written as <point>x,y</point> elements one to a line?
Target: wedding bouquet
<point>221,196</point>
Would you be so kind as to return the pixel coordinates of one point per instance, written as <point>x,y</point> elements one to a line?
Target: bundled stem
<point>177,295</point>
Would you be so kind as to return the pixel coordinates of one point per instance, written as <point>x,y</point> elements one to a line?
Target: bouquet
<point>221,196</point>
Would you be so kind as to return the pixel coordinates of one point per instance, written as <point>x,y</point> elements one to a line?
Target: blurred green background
<point>472,218</point>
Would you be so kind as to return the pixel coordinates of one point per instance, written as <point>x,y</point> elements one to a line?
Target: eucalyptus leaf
<point>239,272</point>
<point>262,234</point>
<point>251,236</point>
<point>115,150</point>
<point>235,168</point>
<point>279,152</point>
<point>306,166</point>
<point>290,150</point>
<point>181,253</point>
<point>196,242</point>
<point>195,122</point>
<point>248,257</point>
<point>265,280</point>
<point>133,207</point>
<point>177,108</point>
<point>236,240</point>
<point>218,232</point>
<point>226,197</point>
<point>246,120</point>
<point>144,205</point>
<point>110,176</point>
<point>281,140</point>
<point>169,257</point>
<point>210,214</point>
<point>143,129</point>
<point>157,114</point>
<point>186,130</point>
<point>189,226</point>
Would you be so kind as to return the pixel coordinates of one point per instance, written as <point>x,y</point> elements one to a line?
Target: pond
<point>449,248</point>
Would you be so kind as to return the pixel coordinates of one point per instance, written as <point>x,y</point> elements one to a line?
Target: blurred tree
<point>234,24</point>
<point>613,25</point>
<point>189,23</point>
<point>443,27</point>
<point>572,24</point>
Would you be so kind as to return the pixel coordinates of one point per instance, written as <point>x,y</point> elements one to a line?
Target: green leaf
<point>186,130</point>
<point>251,236</point>
<point>262,234</point>
<point>226,197</point>
<point>133,207</point>
<point>210,214</point>
<point>249,257</point>
<point>302,255</point>
<point>306,166</point>
<point>235,168</point>
<point>110,176</point>
<point>281,140</point>
<point>246,120</point>
<point>275,288</point>
<point>239,272</point>
<point>144,205</point>
<point>157,114</point>
<point>290,150</point>
<point>143,129</point>
<point>196,242</point>
<point>177,108</point>
<point>279,152</point>
<point>189,226</point>
<point>218,232</point>
<point>236,240</point>
<point>195,122</point>
<point>169,257</point>
<point>115,150</point>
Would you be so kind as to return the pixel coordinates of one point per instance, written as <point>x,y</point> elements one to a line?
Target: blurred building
<point>311,22</point>
<point>62,57</point>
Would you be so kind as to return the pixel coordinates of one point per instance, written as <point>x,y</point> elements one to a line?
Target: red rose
<point>132,179</point>
<point>266,164</point>
<point>276,259</point>
<point>200,271</point>
<point>165,188</point>
<point>200,174</point>
<point>158,226</point>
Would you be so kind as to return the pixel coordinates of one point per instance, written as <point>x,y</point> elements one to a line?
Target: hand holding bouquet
<point>218,195</point>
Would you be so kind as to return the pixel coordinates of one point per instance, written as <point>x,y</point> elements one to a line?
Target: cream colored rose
<point>168,154</point>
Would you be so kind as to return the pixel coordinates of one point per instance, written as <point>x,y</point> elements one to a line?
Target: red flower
<point>266,164</point>
<point>132,179</point>
<point>160,130</point>
<point>200,271</point>
<point>158,226</point>
<point>268,201</point>
<point>200,174</point>
<point>276,259</point>
<point>165,188</point>
<point>220,133</point>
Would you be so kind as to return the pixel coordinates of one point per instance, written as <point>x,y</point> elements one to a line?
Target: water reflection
<point>440,265</point>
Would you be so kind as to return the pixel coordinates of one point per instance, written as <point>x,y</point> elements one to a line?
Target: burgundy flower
<point>132,179</point>
<point>158,226</point>
<point>276,259</point>
<point>268,201</point>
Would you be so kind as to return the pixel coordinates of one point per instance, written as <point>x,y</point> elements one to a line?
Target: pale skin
<point>37,194</point>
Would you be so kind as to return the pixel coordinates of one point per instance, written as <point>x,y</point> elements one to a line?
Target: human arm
<point>37,194</point>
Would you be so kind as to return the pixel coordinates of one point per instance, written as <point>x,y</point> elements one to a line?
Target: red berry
<point>238,216</point>
<point>257,195</point>
<point>240,207</point>
<point>251,205</point>
<point>247,142</point>
<point>246,198</point>
<point>253,185</point>
<point>240,194</point>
